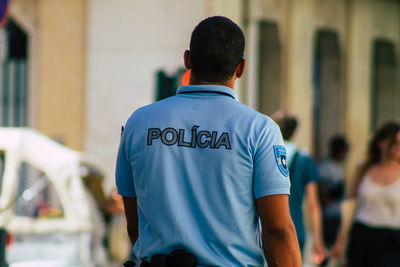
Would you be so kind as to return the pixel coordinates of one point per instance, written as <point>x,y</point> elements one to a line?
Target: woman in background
<point>375,234</point>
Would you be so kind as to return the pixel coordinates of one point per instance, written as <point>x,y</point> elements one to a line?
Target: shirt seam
<point>260,191</point>
<point>271,187</point>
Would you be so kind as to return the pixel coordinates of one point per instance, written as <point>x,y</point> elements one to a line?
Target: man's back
<point>198,163</point>
<point>192,168</point>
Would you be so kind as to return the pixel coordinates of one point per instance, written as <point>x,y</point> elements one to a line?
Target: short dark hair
<point>216,49</point>
<point>287,123</point>
<point>337,145</point>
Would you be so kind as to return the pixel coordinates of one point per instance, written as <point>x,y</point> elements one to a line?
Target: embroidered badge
<point>281,159</point>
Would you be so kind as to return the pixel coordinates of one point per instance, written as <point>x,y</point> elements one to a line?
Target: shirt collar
<point>217,89</point>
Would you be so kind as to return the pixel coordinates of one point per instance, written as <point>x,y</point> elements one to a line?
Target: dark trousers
<point>330,230</point>
<point>373,247</point>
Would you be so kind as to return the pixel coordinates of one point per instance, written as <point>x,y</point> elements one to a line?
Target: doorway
<point>269,68</point>
<point>385,91</point>
<point>329,98</point>
<point>13,76</point>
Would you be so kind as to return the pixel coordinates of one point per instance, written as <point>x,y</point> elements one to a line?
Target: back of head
<point>338,146</point>
<point>216,49</point>
<point>287,122</point>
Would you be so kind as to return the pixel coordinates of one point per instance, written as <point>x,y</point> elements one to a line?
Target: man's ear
<point>240,68</point>
<point>186,59</point>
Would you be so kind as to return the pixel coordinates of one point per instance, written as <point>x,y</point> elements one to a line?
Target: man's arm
<point>319,253</point>
<point>130,206</point>
<point>281,247</point>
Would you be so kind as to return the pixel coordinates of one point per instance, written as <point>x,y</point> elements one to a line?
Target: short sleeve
<point>311,170</point>
<point>271,173</point>
<point>123,171</point>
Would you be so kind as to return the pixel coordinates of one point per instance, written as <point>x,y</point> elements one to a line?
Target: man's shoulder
<point>304,153</point>
<point>155,105</point>
<point>254,115</point>
<point>249,110</point>
<point>305,158</point>
<point>306,162</point>
<point>148,110</point>
<point>326,163</point>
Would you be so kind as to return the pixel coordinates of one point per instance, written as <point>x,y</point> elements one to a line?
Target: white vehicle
<point>52,203</point>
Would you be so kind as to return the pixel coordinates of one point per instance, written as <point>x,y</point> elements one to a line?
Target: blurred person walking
<point>375,233</point>
<point>331,187</point>
<point>198,170</point>
<point>303,177</point>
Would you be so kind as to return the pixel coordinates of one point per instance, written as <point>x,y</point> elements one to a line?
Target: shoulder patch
<point>281,160</point>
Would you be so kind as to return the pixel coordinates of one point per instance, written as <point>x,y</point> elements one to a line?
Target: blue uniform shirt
<point>196,163</point>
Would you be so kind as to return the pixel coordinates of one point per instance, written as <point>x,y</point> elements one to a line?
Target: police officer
<point>197,170</point>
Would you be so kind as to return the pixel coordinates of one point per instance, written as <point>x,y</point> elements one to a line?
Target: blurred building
<point>76,69</point>
<point>334,63</point>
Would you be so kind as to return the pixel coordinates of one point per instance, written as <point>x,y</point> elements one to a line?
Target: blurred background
<point>76,69</point>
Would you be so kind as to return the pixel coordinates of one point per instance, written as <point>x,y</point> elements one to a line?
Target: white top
<point>379,205</point>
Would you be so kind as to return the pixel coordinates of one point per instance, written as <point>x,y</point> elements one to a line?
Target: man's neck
<point>230,83</point>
